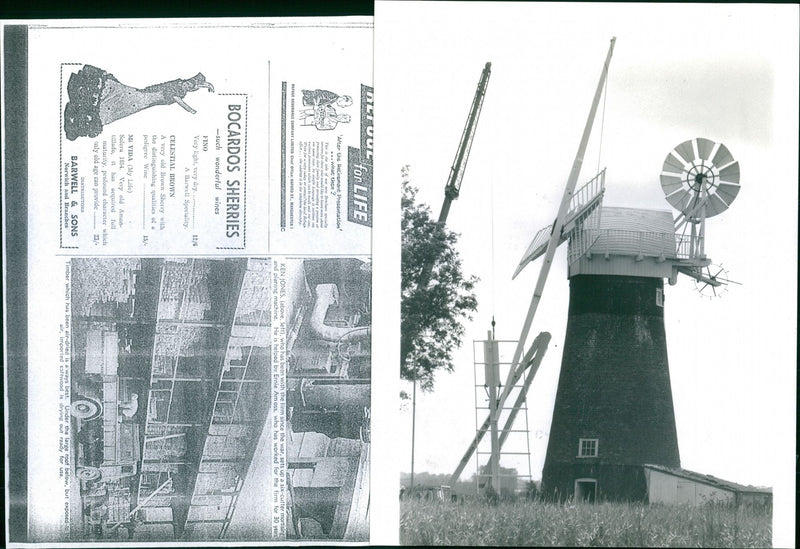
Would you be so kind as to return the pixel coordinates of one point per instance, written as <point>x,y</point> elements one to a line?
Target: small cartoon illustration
<point>322,113</point>
<point>323,117</point>
<point>97,98</point>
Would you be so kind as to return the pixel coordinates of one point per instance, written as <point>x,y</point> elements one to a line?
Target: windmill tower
<point>613,412</point>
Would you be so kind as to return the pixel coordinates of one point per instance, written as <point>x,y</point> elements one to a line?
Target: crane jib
<point>453,187</point>
<point>459,164</point>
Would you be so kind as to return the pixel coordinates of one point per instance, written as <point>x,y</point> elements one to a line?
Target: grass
<point>599,525</point>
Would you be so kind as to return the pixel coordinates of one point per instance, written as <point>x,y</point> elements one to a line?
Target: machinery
<point>451,192</point>
<point>330,364</point>
<point>106,406</point>
<point>328,403</point>
<point>452,188</point>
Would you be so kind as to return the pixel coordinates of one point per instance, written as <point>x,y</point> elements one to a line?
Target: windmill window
<point>587,447</point>
<point>659,297</point>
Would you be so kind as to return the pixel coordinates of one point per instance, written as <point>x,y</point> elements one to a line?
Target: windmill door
<point>585,490</point>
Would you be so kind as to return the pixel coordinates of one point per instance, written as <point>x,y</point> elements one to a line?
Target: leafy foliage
<point>431,313</point>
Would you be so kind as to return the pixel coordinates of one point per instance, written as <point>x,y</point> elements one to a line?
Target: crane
<point>451,191</point>
<point>453,186</point>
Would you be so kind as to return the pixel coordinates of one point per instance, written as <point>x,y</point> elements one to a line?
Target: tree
<point>431,316</point>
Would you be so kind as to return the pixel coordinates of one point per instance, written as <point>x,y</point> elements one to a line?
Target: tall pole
<point>413,420</point>
<point>492,380</point>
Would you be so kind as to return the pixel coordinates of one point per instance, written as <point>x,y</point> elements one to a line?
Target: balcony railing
<point>582,206</point>
<point>587,193</point>
<point>628,242</point>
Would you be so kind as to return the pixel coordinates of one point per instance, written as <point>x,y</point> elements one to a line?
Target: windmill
<point>613,412</point>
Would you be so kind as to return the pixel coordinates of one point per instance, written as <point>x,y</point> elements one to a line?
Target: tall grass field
<point>535,523</point>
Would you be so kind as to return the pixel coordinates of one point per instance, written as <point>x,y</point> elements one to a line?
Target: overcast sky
<point>727,73</point>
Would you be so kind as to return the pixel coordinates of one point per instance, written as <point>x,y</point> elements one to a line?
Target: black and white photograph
<point>598,231</point>
<point>171,390</point>
<point>328,389</point>
<point>568,242</point>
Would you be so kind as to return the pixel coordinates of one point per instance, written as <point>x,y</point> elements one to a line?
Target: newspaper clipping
<point>326,136</point>
<point>203,282</point>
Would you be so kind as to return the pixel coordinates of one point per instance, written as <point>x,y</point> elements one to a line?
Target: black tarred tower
<point>613,411</point>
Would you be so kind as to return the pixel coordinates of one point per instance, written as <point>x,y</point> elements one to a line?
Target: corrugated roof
<point>636,219</point>
<point>709,479</point>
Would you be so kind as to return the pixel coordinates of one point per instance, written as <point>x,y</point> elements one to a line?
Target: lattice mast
<point>503,403</point>
<point>453,186</point>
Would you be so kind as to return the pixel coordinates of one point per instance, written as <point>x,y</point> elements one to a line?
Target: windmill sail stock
<point>556,235</point>
<point>575,209</point>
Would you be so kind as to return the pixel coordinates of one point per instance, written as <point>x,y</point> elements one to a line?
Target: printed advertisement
<point>326,157</point>
<point>145,179</point>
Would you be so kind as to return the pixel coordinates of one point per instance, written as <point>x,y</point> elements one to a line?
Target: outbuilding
<point>673,485</point>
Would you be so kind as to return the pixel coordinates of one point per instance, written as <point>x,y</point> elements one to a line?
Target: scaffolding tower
<point>502,460</point>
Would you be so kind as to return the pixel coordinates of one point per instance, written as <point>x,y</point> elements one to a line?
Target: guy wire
<point>491,207</point>
<point>602,123</point>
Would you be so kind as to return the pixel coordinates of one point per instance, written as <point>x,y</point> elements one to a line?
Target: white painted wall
<point>669,489</point>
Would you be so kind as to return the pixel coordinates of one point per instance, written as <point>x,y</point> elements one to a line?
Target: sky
<point>726,73</point>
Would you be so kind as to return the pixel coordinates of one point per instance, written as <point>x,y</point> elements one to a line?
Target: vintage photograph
<point>583,322</point>
<point>174,386</point>
<point>582,246</point>
<point>170,377</point>
<point>328,382</point>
